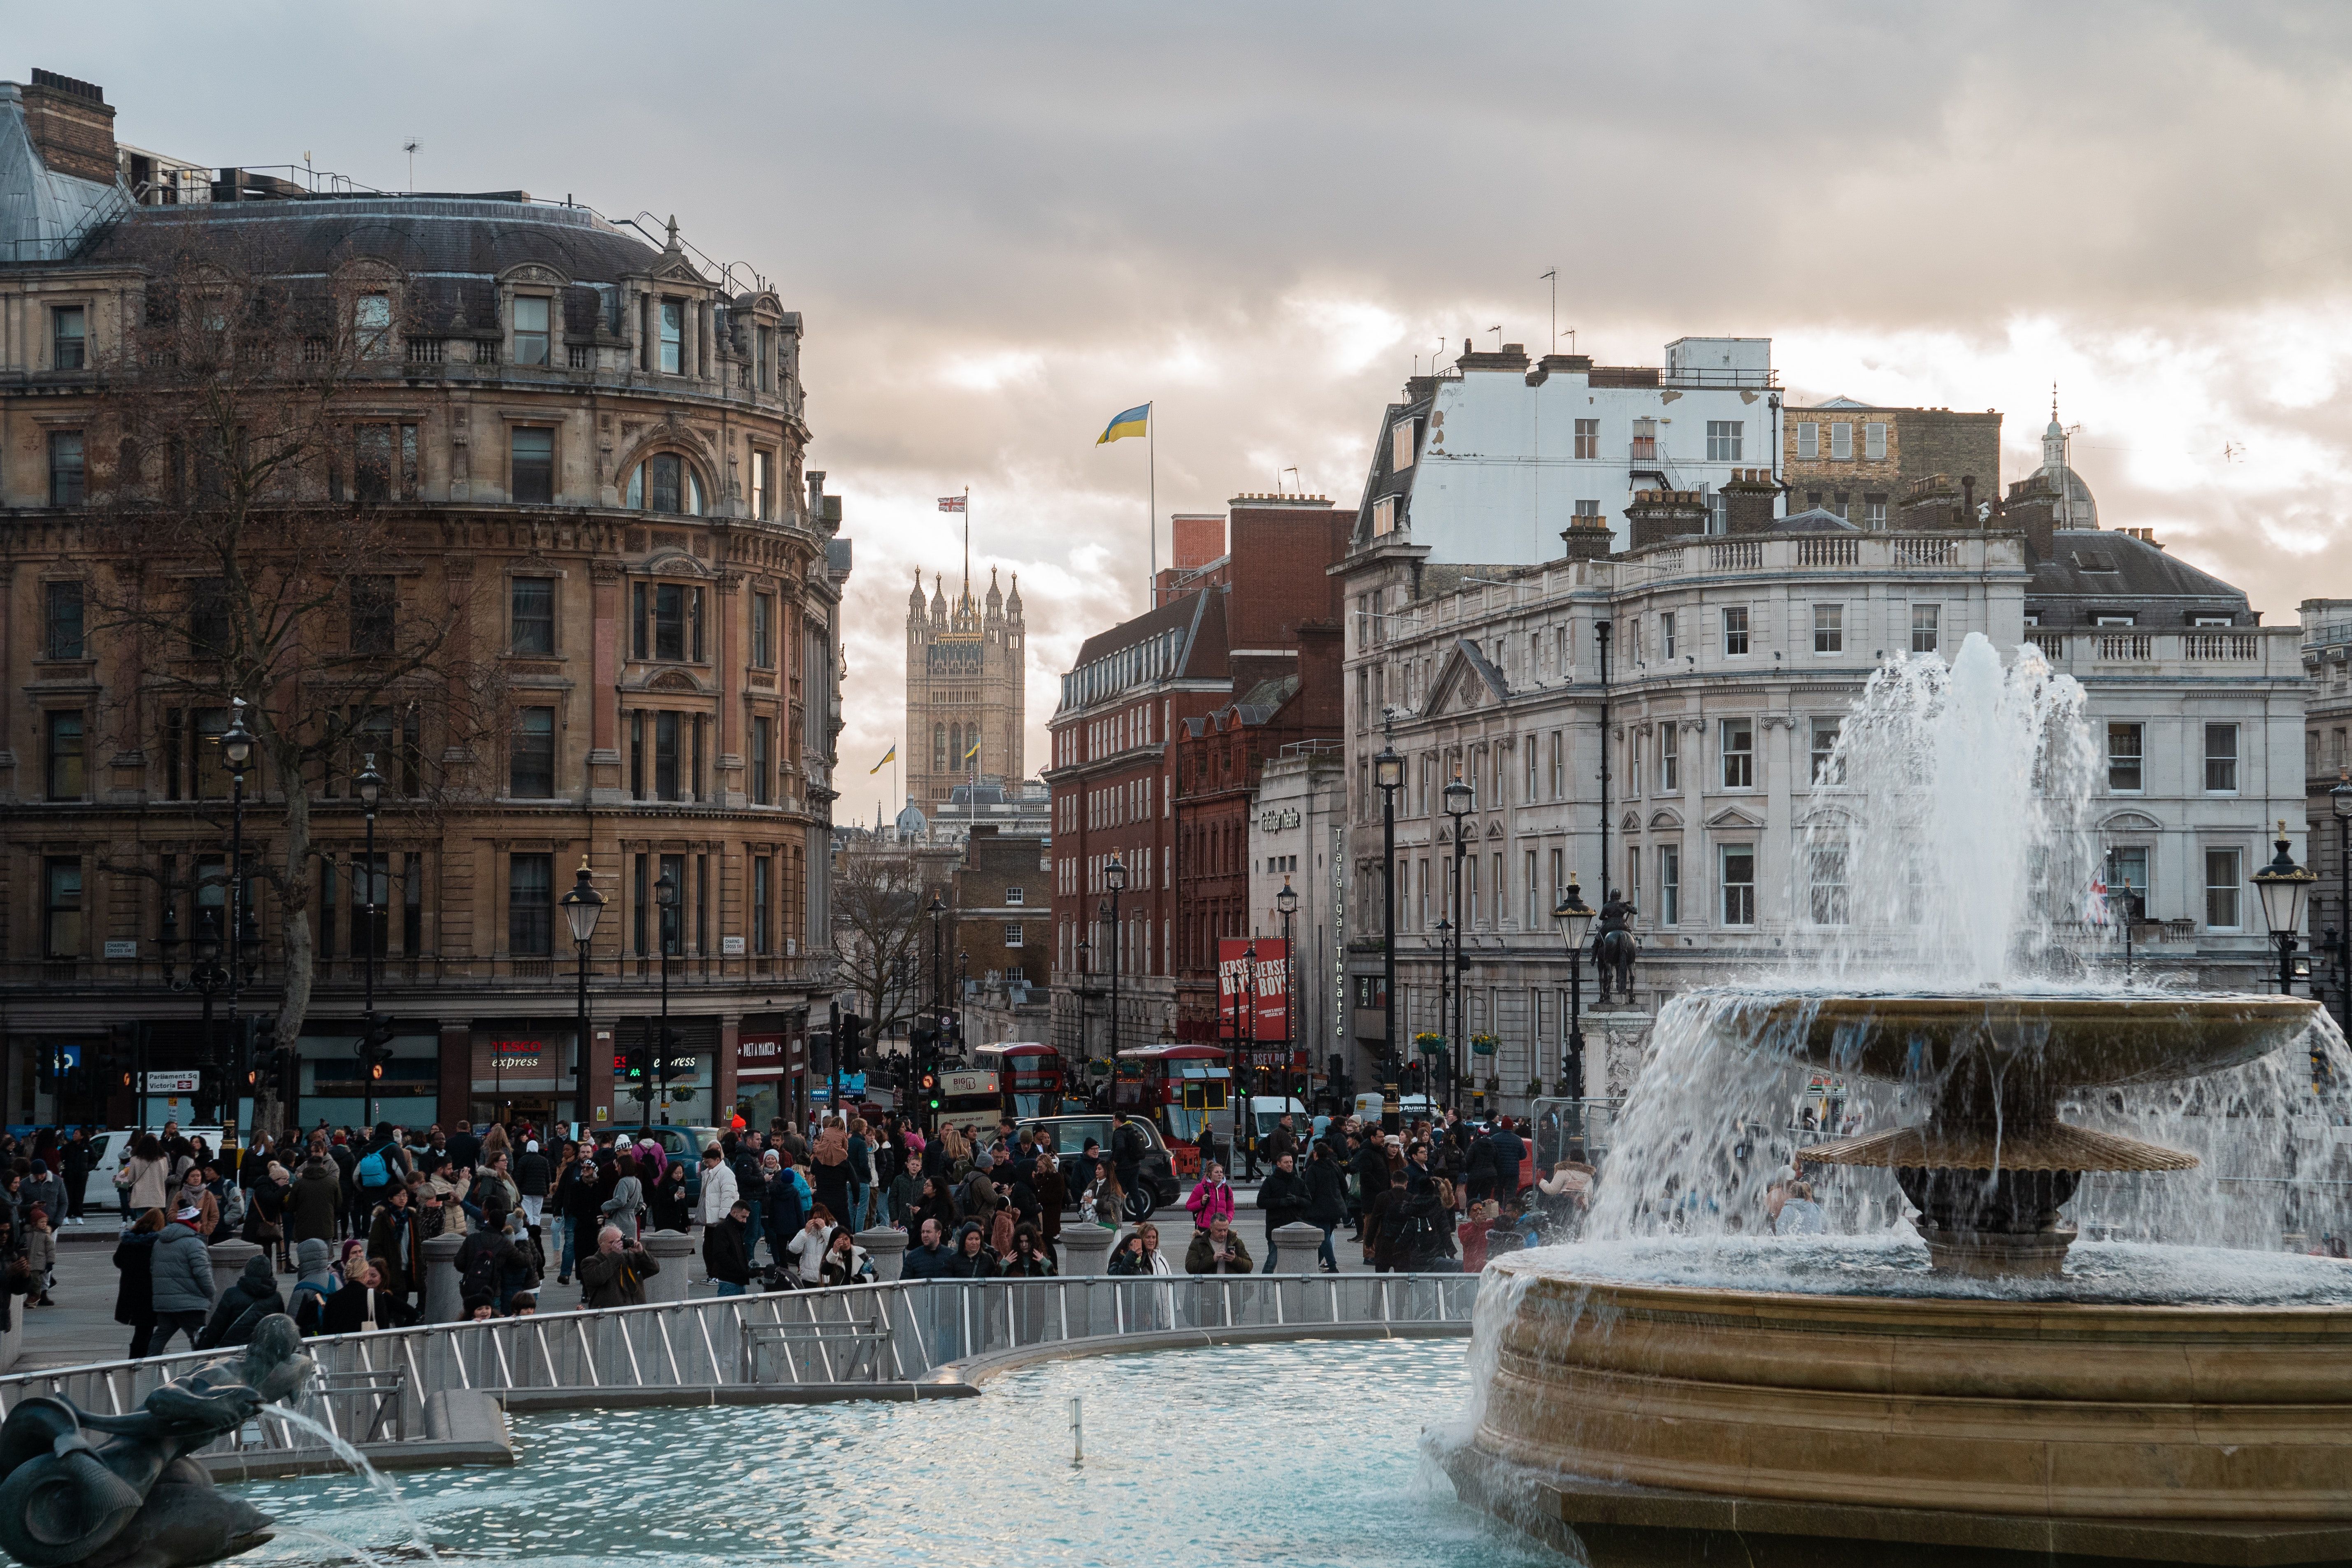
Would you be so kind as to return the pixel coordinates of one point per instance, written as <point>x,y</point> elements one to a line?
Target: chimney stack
<point>1934,503</point>
<point>1587,538</point>
<point>1658,515</point>
<point>2032,511</point>
<point>1747,499</point>
<point>71,126</point>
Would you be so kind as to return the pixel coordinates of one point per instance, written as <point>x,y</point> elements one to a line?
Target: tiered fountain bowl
<point>1660,1420</point>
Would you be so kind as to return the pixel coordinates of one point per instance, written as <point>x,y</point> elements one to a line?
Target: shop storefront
<point>522,1073</point>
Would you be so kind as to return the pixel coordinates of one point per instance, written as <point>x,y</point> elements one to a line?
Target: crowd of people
<point>347,1213</point>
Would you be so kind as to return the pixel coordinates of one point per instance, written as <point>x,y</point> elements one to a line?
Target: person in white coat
<point>718,1195</point>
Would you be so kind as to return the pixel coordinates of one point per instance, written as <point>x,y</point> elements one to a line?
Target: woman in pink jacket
<point>1212,1197</point>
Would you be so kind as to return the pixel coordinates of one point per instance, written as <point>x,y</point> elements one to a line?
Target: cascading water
<point>1949,847</point>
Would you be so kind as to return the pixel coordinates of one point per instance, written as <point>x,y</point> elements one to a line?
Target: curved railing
<point>907,1339</point>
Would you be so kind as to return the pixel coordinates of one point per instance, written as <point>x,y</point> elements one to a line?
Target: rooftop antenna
<point>1553,276</point>
<point>1294,474</point>
<point>307,173</point>
<point>410,147</point>
<point>1498,337</point>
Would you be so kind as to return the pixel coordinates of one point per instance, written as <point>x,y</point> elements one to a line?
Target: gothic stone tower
<point>964,682</point>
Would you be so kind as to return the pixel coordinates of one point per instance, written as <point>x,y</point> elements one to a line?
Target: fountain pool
<point>1301,1454</point>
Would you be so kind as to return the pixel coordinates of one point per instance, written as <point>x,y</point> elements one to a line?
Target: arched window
<point>955,747</point>
<point>938,747</point>
<point>666,482</point>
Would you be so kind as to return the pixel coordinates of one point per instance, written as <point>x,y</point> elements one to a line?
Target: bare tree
<point>261,554</point>
<point>877,909</point>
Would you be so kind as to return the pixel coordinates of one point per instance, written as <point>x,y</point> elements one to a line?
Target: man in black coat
<point>726,1254</point>
<point>1283,1195</point>
<point>1372,1177</point>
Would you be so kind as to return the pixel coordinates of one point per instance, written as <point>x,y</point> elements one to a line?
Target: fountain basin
<point>2051,1409</point>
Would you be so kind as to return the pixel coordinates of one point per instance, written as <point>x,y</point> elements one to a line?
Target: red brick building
<point>1228,624</point>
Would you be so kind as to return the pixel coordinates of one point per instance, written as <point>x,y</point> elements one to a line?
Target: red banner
<point>1267,982</point>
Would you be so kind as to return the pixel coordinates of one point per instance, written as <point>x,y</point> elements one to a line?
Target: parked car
<point>683,1144</point>
<point>1068,1136</point>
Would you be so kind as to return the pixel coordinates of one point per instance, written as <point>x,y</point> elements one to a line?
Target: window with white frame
<point>2222,759</point>
<point>1559,765</point>
<point>1670,884</point>
<point>1826,891</point>
<point>1016,894</point>
<point>1723,440</point>
<point>1829,628</point>
<point>2126,753</point>
<point>1739,754</point>
<point>1842,442</point>
<point>1011,934</point>
<point>1736,876</point>
<point>1670,758</point>
<point>1666,635</point>
<point>1927,628</point>
<point>1825,739</point>
<point>1735,631</point>
<point>1809,439</point>
<point>2222,889</point>
<point>1873,441</point>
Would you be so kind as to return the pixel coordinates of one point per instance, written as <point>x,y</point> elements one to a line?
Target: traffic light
<point>375,1047</point>
<point>853,1041</point>
<point>930,1091</point>
<point>640,1065</point>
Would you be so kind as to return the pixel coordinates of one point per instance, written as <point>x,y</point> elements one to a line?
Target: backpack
<point>307,1304</point>
<point>481,1278</point>
<point>376,1171</point>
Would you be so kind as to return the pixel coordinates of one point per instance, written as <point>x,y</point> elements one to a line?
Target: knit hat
<point>530,1146</point>
<point>40,1167</point>
<point>191,1212</point>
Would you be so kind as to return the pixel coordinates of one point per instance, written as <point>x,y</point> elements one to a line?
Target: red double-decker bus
<point>1028,1075</point>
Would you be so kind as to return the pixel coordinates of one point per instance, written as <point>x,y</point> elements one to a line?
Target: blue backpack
<point>376,1171</point>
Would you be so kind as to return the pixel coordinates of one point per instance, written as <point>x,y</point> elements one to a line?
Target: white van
<point>111,1150</point>
<point>1411,1107</point>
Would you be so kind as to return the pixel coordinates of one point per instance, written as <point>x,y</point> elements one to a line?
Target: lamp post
<point>666,898</point>
<point>206,976</point>
<point>1244,1026</point>
<point>1575,918</point>
<point>582,905</point>
<point>1388,772</point>
<point>1115,879</point>
<point>962,990</point>
<point>937,911</point>
<point>1444,1002</point>
<point>1459,802</point>
<point>2284,886</point>
<point>1085,1046</point>
<point>1286,904</point>
<point>237,747</point>
<point>369,787</point>
<point>2340,800</point>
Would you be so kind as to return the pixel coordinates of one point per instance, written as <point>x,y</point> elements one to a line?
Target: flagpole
<point>1152,501</point>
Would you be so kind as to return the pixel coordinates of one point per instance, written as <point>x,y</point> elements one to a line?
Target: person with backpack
<point>379,1169</point>
<point>534,1174</point>
<point>316,1285</point>
<point>252,1297</point>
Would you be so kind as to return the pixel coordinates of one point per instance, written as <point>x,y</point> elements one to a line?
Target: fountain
<point>1677,1380</point>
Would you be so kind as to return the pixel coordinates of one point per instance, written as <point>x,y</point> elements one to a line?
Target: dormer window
<point>673,339</point>
<point>530,336</point>
<point>665,482</point>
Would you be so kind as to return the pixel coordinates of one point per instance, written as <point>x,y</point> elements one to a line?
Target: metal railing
<point>843,1344</point>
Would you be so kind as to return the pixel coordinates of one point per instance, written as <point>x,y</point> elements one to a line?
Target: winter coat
<point>671,1209</point>
<point>1372,1174</point>
<point>242,1305</point>
<point>856,1269</point>
<point>926,1262</point>
<point>134,1294</point>
<point>151,1181</point>
<point>718,1193</point>
<point>1283,1196</point>
<point>532,1173</point>
<point>1327,1193</point>
<point>1421,1231</point>
<point>1038,1265</point>
<point>1127,1264</point>
<point>977,1196</point>
<point>617,1279</point>
<point>181,1272</point>
<point>346,1311</point>
<point>622,1208</point>
<point>1053,1195</point>
<point>1510,1156</point>
<point>397,1237</point>
<point>980,1265</point>
<point>314,1202</point>
<point>725,1253</point>
<point>1200,1256</point>
<point>44,1192</point>
<point>498,1197</point>
<point>1209,1202</point>
<point>807,1251</point>
<point>785,1212</point>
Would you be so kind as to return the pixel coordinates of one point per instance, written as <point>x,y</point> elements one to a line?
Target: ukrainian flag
<point>887,757</point>
<point>1134,422</point>
<point>975,748</point>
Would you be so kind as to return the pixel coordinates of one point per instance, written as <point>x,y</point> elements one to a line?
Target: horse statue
<point>1613,946</point>
<point>84,1490</point>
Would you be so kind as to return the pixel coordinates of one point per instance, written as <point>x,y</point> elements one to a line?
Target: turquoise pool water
<point>1304,1454</point>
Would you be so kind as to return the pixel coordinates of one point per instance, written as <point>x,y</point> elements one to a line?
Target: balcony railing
<point>2221,645</point>
<point>1828,551</point>
<point>2124,647</point>
<point>1740,555</point>
<point>1926,551</point>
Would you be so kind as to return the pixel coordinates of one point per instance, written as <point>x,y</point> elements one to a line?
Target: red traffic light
<point>375,1071</point>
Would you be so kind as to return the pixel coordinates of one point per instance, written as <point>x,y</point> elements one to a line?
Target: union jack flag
<point>951,503</point>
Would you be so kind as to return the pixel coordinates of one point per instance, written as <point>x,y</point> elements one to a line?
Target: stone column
<point>887,1249</point>
<point>1295,1247</point>
<point>443,1303</point>
<point>722,1072</point>
<point>1085,1248</point>
<point>607,783</point>
<point>727,770</point>
<point>674,1250</point>
<point>229,1259</point>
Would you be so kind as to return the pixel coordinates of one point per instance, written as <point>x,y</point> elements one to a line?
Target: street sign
<point>69,1058</point>
<point>121,949</point>
<point>174,1082</point>
<point>730,946</point>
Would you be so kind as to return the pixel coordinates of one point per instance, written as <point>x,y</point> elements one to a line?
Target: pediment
<point>1732,817</point>
<point>536,274</point>
<point>1665,819</point>
<point>1632,821</point>
<point>1494,830</point>
<point>2130,822</point>
<point>676,562</point>
<point>673,680</point>
<point>677,269</point>
<point>1466,679</point>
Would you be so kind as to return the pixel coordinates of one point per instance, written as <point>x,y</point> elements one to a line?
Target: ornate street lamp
<point>236,746</point>
<point>2284,886</point>
<point>1575,917</point>
<point>582,906</point>
<point>1459,803</point>
<point>666,897</point>
<point>1115,879</point>
<point>1388,773</point>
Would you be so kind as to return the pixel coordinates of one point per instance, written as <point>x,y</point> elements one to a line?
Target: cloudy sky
<point>1004,223</point>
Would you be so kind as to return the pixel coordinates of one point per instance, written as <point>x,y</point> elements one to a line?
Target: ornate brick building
<point>580,447</point>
